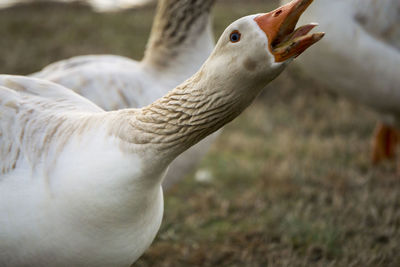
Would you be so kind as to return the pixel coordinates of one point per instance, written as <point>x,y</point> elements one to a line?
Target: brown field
<point>289,182</point>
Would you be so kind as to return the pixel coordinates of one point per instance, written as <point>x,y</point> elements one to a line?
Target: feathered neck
<point>183,117</point>
<point>181,35</point>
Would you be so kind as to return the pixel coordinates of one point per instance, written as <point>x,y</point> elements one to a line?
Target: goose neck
<point>181,35</point>
<point>184,116</point>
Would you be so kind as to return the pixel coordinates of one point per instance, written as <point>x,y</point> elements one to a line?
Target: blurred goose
<point>181,40</point>
<point>97,5</point>
<point>80,186</point>
<point>361,60</point>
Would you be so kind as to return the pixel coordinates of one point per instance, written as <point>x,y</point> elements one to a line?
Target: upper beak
<point>279,25</point>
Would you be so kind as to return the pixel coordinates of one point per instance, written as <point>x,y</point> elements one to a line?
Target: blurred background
<point>288,183</point>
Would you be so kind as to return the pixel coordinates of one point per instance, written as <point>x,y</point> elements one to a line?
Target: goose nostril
<point>277,13</point>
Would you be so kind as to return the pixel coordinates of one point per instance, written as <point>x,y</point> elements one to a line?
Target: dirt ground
<point>289,182</point>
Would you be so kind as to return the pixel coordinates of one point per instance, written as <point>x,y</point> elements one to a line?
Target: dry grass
<point>292,186</point>
<point>292,183</point>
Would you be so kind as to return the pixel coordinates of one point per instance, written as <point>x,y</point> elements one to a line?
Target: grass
<point>291,180</point>
<point>292,186</point>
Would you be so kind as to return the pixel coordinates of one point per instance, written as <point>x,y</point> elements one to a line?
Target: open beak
<point>279,25</point>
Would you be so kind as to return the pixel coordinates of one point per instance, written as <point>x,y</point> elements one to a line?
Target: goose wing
<point>79,61</point>
<point>112,82</point>
<point>33,115</point>
<point>61,97</point>
<point>97,5</point>
<point>115,5</point>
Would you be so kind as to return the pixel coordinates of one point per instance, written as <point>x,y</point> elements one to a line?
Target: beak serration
<point>279,25</point>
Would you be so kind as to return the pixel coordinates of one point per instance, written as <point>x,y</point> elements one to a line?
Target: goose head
<point>253,50</point>
<point>250,53</point>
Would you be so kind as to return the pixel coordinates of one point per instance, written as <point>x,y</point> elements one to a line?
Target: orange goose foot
<point>385,141</point>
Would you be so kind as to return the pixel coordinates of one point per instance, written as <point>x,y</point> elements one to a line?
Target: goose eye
<point>235,36</point>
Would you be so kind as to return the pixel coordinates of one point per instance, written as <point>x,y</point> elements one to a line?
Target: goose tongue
<point>279,25</point>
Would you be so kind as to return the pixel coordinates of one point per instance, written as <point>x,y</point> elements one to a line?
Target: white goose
<point>97,5</point>
<point>181,40</point>
<point>361,59</point>
<point>80,186</point>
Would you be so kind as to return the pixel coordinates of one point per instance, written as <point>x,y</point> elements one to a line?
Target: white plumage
<point>360,59</point>
<point>80,186</point>
<point>181,39</point>
<point>62,174</point>
<point>97,5</point>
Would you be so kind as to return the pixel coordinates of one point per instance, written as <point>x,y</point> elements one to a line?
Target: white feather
<point>115,82</point>
<point>80,186</point>
<point>359,56</point>
<point>97,5</point>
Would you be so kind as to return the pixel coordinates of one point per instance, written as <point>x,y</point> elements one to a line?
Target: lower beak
<point>279,25</point>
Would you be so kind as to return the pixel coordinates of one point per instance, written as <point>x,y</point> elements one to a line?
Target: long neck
<point>183,117</point>
<point>181,38</point>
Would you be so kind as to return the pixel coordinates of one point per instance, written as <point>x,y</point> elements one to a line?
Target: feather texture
<point>26,107</point>
<point>358,58</point>
<point>97,5</point>
<point>180,41</point>
<point>80,186</point>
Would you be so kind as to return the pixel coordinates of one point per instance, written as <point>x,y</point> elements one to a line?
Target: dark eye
<point>235,36</point>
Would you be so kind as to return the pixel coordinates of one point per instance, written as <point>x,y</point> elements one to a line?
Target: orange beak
<point>279,25</point>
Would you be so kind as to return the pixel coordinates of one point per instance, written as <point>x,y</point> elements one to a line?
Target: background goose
<point>361,59</point>
<point>97,5</point>
<point>181,39</point>
<point>80,186</point>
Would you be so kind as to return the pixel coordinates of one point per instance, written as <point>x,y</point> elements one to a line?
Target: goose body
<point>62,205</point>
<point>80,186</point>
<point>181,40</point>
<point>361,58</point>
<point>97,5</point>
